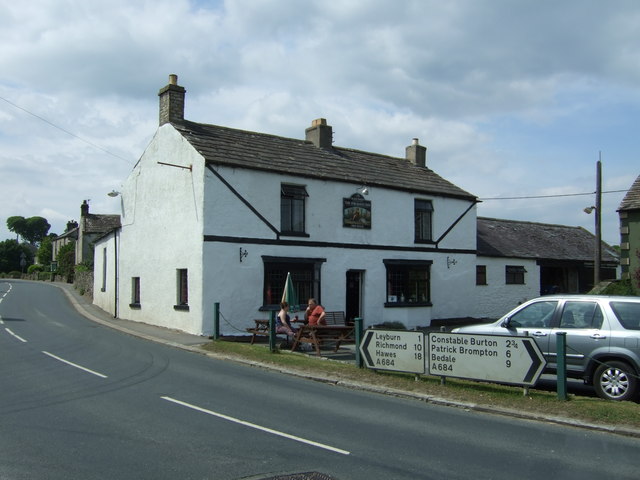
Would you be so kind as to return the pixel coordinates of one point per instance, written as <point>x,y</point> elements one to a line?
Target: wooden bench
<point>334,318</point>
<point>262,329</point>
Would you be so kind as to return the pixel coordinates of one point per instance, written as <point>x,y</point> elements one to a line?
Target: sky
<point>513,99</point>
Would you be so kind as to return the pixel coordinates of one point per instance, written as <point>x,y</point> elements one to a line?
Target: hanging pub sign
<point>356,212</point>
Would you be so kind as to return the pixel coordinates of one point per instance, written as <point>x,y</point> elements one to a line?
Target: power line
<point>549,196</point>
<point>65,131</point>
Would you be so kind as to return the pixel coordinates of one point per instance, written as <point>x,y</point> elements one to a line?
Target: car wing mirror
<point>506,323</point>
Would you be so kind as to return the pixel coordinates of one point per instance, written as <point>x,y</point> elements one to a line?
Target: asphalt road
<point>82,401</point>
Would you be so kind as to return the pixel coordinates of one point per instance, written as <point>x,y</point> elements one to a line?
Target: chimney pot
<point>320,134</point>
<point>171,101</point>
<point>416,153</point>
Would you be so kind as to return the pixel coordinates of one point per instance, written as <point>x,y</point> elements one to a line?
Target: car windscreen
<point>628,314</point>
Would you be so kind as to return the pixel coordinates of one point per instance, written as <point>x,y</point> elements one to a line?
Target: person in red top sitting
<point>314,315</point>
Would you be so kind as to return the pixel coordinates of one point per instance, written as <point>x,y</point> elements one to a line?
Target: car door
<point>535,320</point>
<point>586,331</point>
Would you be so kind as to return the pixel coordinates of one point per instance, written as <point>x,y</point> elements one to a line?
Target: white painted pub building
<point>219,215</point>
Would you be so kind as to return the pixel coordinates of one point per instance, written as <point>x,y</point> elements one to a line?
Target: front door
<point>354,295</point>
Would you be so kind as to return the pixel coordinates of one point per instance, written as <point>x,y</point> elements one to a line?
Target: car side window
<point>536,315</point>
<point>628,313</point>
<point>581,315</point>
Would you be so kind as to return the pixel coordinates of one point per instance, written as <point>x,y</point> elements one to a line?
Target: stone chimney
<point>320,134</point>
<point>171,101</point>
<point>84,209</point>
<point>417,154</point>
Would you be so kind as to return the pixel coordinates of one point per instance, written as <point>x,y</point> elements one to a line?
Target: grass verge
<point>579,408</point>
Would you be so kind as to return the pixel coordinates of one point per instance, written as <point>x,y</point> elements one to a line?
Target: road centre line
<point>257,427</point>
<point>74,365</point>
<point>15,335</point>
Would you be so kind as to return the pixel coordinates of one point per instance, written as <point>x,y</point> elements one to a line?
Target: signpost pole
<point>358,333</point>
<point>272,332</point>
<point>216,320</point>
<point>561,349</point>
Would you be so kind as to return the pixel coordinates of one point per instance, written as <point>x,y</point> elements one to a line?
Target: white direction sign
<point>506,359</point>
<point>400,351</point>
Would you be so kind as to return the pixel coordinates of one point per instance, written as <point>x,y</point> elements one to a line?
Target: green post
<point>272,332</point>
<point>358,328</point>
<point>216,320</point>
<point>561,349</point>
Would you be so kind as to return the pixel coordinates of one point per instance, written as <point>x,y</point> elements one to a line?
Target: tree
<point>66,261</point>
<point>37,229</point>
<point>45,252</point>
<point>17,225</point>
<point>11,254</point>
<point>32,229</point>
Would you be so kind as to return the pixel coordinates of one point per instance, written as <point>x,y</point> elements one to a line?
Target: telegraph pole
<point>598,249</point>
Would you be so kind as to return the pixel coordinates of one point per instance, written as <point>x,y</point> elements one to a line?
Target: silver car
<point>603,338</point>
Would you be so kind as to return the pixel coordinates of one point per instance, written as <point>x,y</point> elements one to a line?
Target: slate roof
<point>100,223</point>
<point>510,238</point>
<point>259,151</point>
<point>631,200</point>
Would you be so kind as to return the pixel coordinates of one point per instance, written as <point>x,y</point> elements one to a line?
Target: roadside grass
<point>470,393</point>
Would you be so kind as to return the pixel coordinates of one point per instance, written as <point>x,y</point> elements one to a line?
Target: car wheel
<point>615,381</point>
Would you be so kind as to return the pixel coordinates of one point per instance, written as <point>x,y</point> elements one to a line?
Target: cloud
<point>509,97</point>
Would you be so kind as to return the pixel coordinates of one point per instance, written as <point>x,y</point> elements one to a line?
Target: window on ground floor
<point>408,282</point>
<point>514,274</point>
<point>481,274</point>
<point>135,292</point>
<point>182,289</point>
<point>305,274</point>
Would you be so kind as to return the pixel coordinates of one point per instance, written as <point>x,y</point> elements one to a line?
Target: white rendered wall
<point>104,292</point>
<point>238,285</point>
<point>497,298</point>
<point>162,232</point>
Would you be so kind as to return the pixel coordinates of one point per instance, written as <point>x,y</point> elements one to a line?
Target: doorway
<point>353,308</point>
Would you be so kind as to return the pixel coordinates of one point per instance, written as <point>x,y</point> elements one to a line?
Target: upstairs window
<point>292,209</point>
<point>423,221</point>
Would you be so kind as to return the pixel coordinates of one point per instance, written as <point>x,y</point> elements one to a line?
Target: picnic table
<point>318,335</point>
<point>336,331</point>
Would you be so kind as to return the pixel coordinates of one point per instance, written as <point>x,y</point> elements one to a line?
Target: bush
<point>44,276</point>
<point>35,269</point>
<point>619,287</point>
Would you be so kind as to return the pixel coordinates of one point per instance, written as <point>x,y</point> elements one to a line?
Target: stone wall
<point>83,282</point>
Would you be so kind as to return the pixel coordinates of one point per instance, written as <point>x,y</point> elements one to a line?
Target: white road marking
<point>17,336</point>
<point>258,427</point>
<point>75,365</point>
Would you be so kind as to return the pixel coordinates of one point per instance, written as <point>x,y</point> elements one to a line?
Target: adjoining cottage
<point>518,261</point>
<point>91,227</point>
